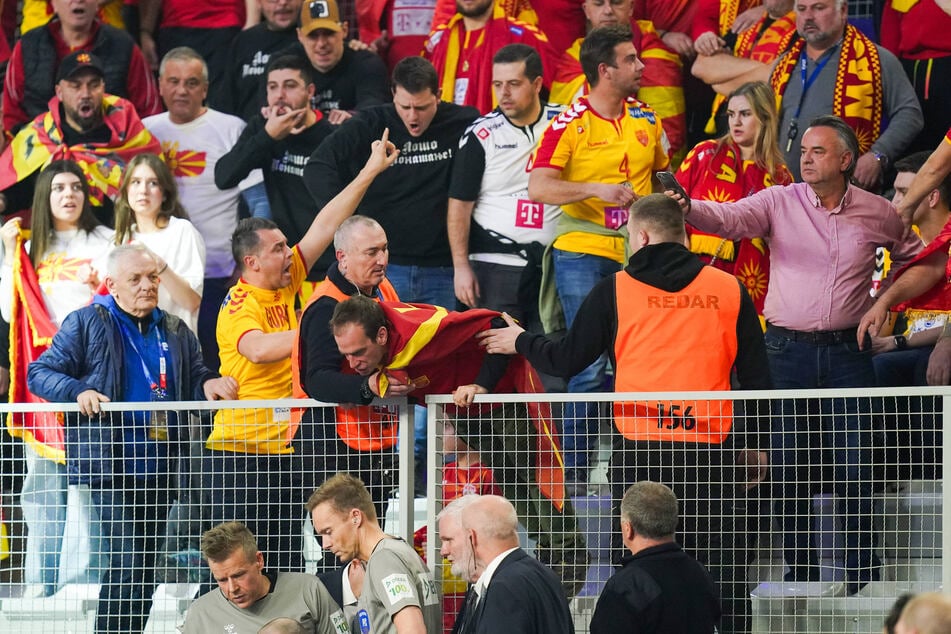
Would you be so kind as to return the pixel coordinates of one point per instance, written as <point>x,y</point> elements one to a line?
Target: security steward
<point>356,438</point>
<point>671,324</point>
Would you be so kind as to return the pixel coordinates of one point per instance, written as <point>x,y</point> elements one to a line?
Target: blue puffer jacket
<point>87,354</point>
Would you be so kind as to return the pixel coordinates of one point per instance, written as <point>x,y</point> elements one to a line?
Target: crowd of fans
<point>491,151</point>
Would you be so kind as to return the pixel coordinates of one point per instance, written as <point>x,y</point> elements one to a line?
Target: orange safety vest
<point>360,427</point>
<point>670,342</point>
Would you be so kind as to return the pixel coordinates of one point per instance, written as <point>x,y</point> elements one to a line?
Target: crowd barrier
<point>730,515</point>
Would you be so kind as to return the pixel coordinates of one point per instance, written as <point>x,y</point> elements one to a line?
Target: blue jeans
<point>575,276</point>
<point>133,516</point>
<point>902,367</point>
<point>256,198</point>
<point>423,284</point>
<point>834,434</point>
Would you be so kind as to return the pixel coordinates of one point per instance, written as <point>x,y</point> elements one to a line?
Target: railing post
<point>407,471</point>
<point>945,494</point>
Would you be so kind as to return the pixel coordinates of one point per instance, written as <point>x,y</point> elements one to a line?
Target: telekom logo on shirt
<point>529,214</point>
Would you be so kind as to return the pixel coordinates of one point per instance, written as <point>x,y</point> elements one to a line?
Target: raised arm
<point>321,232</point>
<point>935,170</point>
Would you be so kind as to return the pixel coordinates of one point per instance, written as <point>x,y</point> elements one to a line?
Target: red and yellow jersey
<point>39,12</point>
<point>248,308</point>
<point>661,83</point>
<point>947,137</point>
<point>586,147</point>
<point>475,479</point>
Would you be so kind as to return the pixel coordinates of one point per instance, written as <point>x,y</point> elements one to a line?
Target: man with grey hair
<point>453,544</point>
<point>514,593</point>
<point>362,252</point>
<point>823,234</point>
<point>659,588</point>
<point>122,347</point>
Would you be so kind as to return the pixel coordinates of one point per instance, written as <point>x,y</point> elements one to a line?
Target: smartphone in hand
<point>669,182</point>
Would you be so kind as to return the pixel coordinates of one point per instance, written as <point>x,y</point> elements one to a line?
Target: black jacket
<point>410,199</point>
<point>660,590</point>
<point>669,267</point>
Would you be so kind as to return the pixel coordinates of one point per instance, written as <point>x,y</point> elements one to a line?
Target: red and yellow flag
<point>31,332</point>
<point>438,351</point>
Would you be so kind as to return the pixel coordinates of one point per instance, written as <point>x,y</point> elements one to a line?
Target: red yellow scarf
<point>729,9</point>
<point>761,48</point>
<point>41,142</point>
<point>858,92</point>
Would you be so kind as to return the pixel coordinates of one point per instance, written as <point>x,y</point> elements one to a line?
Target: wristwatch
<point>365,392</point>
<point>882,160</point>
<point>901,342</point>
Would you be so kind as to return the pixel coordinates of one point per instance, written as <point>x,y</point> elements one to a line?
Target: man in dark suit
<point>515,593</point>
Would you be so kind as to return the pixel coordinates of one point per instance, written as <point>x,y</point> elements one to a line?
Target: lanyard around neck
<point>162,383</point>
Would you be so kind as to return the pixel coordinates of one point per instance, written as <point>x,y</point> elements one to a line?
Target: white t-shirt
<point>182,247</point>
<point>63,271</point>
<point>191,151</point>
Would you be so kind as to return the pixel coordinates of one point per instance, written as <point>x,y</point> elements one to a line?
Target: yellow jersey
<point>586,147</point>
<point>245,309</point>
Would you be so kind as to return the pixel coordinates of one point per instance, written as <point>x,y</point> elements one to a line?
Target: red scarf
<point>31,332</point>
<point>41,142</point>
<point>437,350</point>
<point>858,84</point>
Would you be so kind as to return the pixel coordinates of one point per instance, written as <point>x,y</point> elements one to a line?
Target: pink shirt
<point>821,261</point>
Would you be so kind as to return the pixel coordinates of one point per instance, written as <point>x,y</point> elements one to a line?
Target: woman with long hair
<point>68,253</point>
<point>148,212</point>
<point>742,162</point>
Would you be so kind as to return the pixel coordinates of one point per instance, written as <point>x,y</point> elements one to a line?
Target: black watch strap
<point>901,342</point>
<point>365,392</point>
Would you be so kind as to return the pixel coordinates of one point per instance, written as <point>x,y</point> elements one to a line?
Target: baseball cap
<point>319,14</point>
<point>77,61</point>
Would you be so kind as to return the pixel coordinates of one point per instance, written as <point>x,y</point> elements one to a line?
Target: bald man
<point>515,593</point>
<point>928,613</point>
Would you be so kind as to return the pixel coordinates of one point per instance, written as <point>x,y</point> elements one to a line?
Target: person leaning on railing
<point>123,348</point>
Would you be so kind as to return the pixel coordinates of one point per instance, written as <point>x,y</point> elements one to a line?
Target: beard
<point>86,122</point>
<point>477,11</point>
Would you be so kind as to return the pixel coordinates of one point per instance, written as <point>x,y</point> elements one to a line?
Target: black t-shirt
<point>251,50</point>
<point>410,198</point>
<point>358,81</point>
